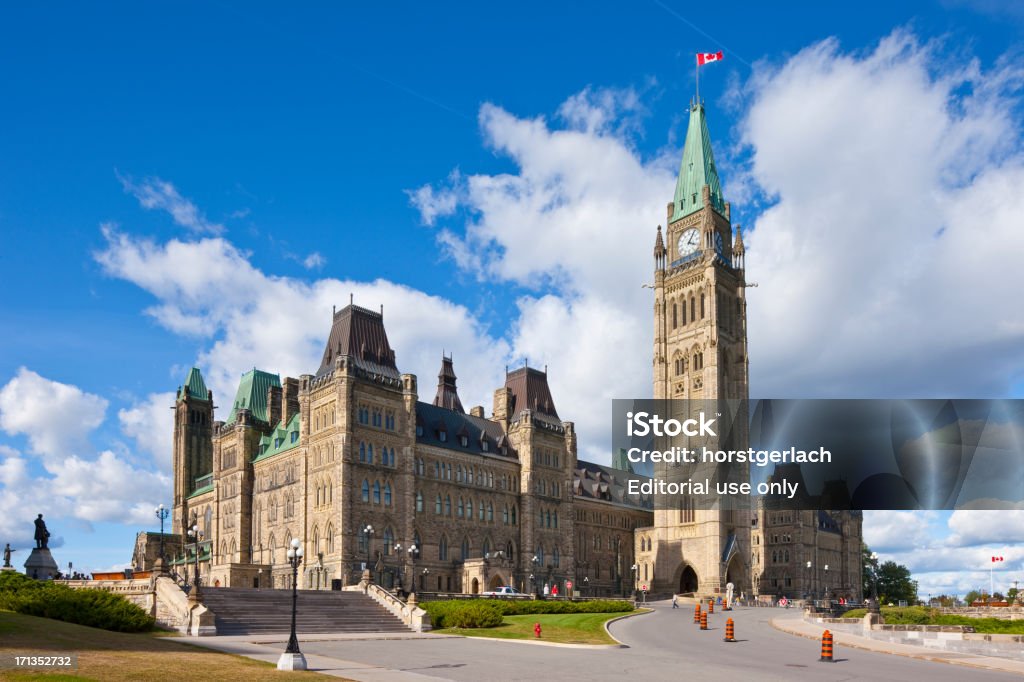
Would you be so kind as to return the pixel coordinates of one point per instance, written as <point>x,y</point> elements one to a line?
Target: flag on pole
<point>996,559</point>
<point>708,57</point>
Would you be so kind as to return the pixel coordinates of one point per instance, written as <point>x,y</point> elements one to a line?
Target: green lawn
<point>119,656</point>
<point>567,628</point>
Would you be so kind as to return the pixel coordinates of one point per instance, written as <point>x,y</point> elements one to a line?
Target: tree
<point>869,568</point>
<point>973,596</point>
<point>895,584</point>
<point>1012,594</point>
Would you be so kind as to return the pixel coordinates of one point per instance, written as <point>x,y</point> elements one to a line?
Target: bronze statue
<point>7,555</point>
<point>42,535</point>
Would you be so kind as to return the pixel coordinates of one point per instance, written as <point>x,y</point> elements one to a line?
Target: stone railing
<point>161,598</point>
<point>409,612</point>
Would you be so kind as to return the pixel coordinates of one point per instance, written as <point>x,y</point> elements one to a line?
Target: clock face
<point>689,240</point>
<point>719,246</point>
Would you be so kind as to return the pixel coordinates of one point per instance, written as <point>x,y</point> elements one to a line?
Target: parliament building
<point>431,497</point>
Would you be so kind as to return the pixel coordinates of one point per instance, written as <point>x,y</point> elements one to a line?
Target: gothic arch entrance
<point>688,580</point>
<point>476,586</point>
<point>496,582</point>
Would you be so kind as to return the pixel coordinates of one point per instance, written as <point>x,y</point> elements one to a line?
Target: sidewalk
<point>795,625</point>
<point>269,647</point>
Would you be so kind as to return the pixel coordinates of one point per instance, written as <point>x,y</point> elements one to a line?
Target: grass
<point>920,615</point>
<point>567,628</point>
<point>117,656</point>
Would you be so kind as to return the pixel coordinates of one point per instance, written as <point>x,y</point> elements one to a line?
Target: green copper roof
<point>283,438</point>
<point>196,385</point>
<point>252,394</point>
<point>697,169</point>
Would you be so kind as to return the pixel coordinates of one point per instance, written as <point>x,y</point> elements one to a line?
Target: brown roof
<point>530,391</point>
<point>447,396</point>
<point>359,333</point>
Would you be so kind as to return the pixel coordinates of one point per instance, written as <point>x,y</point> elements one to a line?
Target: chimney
<point>289,399</point>
<point>476,411</point>
<point>274,405</point>
<point>502,397</point>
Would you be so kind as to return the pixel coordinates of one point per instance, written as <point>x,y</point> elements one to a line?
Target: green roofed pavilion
<point>195,385</point>
<point>697,169</point>
<point>252,394</point>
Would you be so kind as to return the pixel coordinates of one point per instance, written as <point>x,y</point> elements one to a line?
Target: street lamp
<point>368,532</point>
<point>874,584</point>
<point>413,551</point>
<point>586,585</point>
<point>398,553</point>
<point>292,658</point>
<point>162,513</point>
<point>423,579</point>
<point>807,586</point>
<point>635,568</point>
<point>825,591</point>
<point>197,537</point>
<point>536,564</point>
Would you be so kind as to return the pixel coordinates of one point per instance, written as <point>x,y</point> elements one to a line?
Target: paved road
<point>664,645</point>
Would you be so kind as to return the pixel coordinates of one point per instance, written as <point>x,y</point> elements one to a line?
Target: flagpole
<point>696,70</point>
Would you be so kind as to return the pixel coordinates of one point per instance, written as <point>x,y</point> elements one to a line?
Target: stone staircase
<point>246,611</point>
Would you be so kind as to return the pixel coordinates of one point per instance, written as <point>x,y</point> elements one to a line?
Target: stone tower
<point>193,446</point>
<point>700,355</point>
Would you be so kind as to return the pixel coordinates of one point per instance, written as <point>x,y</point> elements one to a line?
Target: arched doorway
<point>496,582</point>
<point>476,586</point>
<point>688,581</point>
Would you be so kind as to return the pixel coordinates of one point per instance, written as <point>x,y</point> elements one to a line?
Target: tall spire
<point>697,169</point>
<point>447,396</point>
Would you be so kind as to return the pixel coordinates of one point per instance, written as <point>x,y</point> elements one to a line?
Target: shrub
<point>94,608</point>
<point>525,607</point>
<point>464,614</point>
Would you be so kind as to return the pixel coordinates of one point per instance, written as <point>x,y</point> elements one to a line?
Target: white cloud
<point>151,423</point>
<point>897,530</point>
<point>281,324</point>
<point>897,199</point>
<point>154,193</point>
<point>982,527</point>
<point>54,417</point>
<point>314,261</point>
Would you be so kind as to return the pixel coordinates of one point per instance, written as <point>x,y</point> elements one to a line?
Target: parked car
<point>504,591</point>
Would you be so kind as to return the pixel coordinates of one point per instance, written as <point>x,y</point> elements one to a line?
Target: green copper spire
<point>697,169</point>
<point>196,385</point>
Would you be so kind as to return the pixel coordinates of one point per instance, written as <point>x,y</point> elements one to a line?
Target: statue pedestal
<point>40,565</point>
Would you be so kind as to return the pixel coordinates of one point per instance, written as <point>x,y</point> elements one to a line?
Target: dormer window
<point>419,431</point>
<point>295,436</point>
<point>442,436</point>
<point>464,441</point>
<point>277,442</point>
<point>484,445</point>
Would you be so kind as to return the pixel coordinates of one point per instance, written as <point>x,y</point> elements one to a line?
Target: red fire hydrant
<point>536,629</point>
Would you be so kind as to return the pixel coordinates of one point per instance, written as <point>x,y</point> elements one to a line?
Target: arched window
<point>270,544</point>
<point>369,453</point>
<point>419,501</point>
<point>376,492</point>
<point>490,511</point>
<point>675,319</point>
<point>556,519</point>
<point>437,504</point>
<point>504,515</point>
<point>442,549</point>
<point>447,505</point>
<point>362,451</point>
<point>389,541</point>
<point>316,540</point>
<point>693,308</point>
<point>364,540</point>
<point>555,557</point>
<point>465,548</point>
<point>702,306</point>
<point>540,555</point>
<point>387,494</point>
<point>330,539</point>
<point>513,515</point>
<point>486,549</point>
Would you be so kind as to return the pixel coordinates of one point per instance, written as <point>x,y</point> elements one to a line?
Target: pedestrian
<point>547,590</point>
<point>554,590</point>
<point>675,605</point>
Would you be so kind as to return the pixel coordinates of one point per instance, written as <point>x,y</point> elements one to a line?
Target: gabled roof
<point>281,439</point>
<point>252,394</point>
<point>359,333</point>
<point>598,482</point>
<point>697,169</point>
<point>530,391</point>
<point>195,385</point>
<point>477,430</point>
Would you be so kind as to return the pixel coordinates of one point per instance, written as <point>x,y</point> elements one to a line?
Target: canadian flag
<point>707,57</point>
<point>996,558</point>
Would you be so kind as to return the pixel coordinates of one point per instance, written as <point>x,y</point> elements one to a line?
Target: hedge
<point>487,613</point>
<point>94,608</point>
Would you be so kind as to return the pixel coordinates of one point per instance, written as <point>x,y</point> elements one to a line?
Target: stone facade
<point>456,502</point>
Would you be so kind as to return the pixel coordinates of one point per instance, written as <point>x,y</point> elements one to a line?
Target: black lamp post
<point>874,585</point>
<point>398,552</point>
<point>197,537</point>
<point>636,570</point>
<point>162,513</point>
<point>536,564</point>
<point>586,586</point>
<point>413,551</point>
<point>423,579</point>
<point>368,532</point>
<point>292,658</point>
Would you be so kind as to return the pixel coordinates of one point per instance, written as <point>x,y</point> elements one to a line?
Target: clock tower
<point>700,354</point>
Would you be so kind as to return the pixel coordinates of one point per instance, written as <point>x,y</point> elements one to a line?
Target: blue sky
<point>199,183</point>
